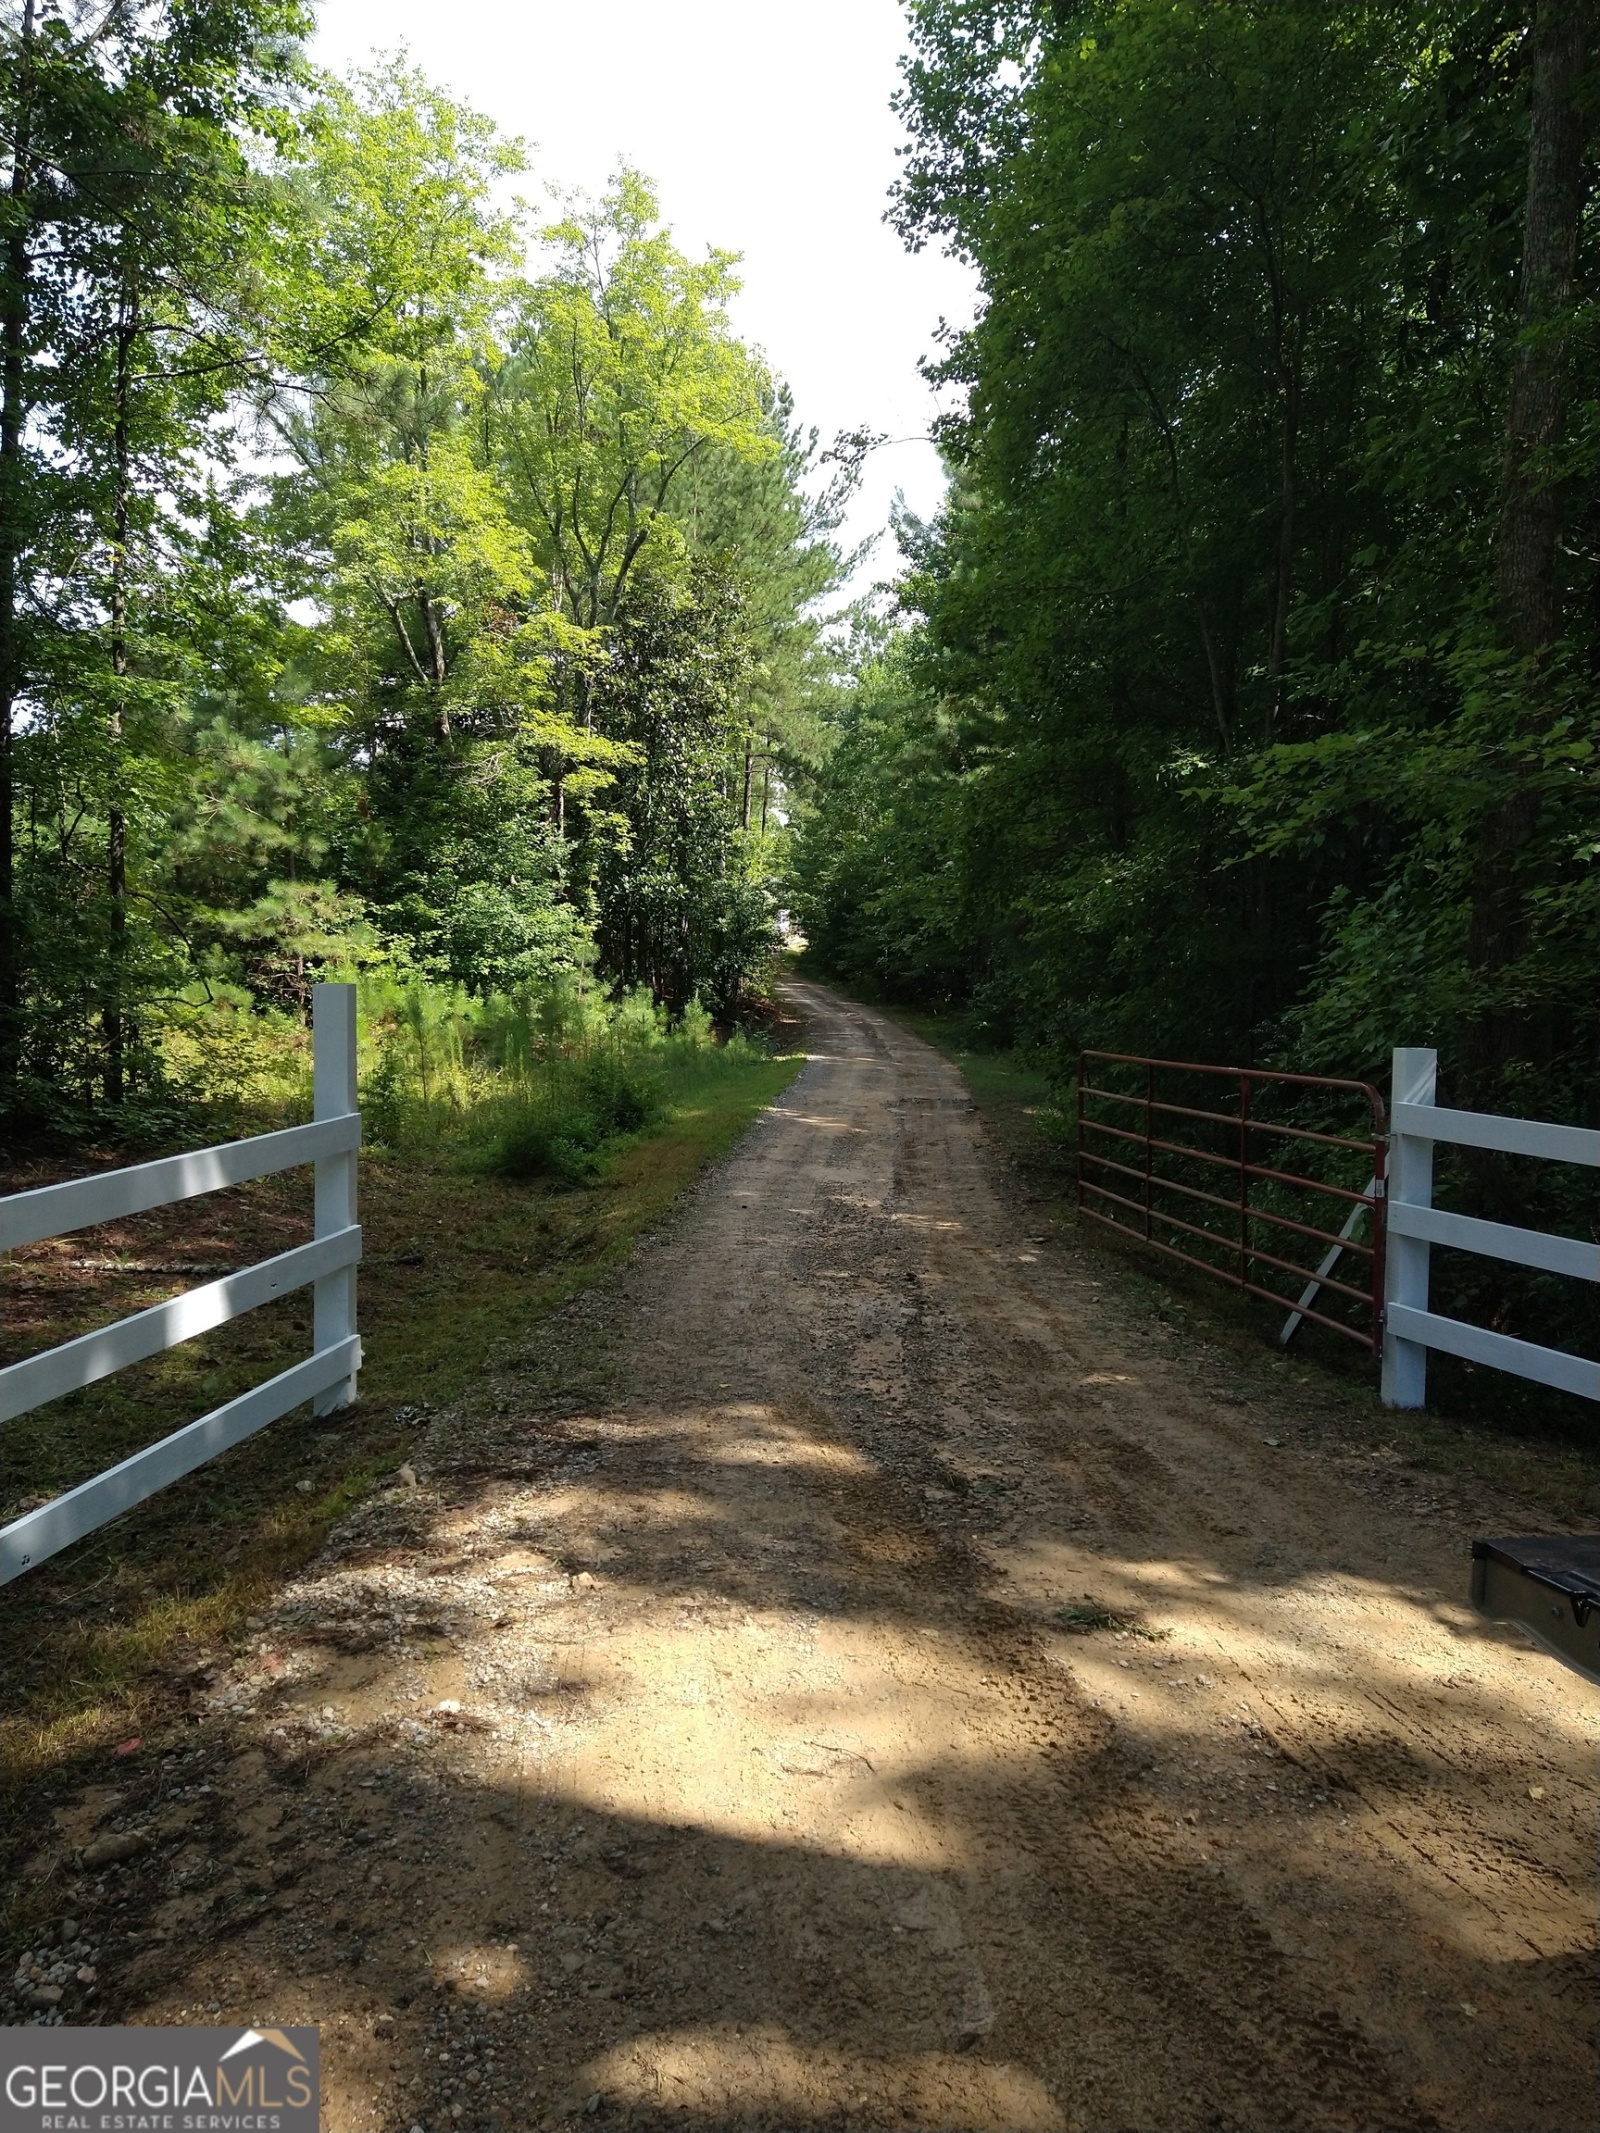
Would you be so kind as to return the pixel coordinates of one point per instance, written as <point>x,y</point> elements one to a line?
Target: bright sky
<point>767,130</point>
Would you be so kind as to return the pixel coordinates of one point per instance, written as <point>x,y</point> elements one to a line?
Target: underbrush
<point>439,1068</point>
<point>532,1085</point>
<point>564,1124</point>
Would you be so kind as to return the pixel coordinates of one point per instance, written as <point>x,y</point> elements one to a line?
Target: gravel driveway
<point>856,1668</point>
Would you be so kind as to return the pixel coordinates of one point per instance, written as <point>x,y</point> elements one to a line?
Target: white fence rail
<point>1415,1225</point>
<point>327,1377</point>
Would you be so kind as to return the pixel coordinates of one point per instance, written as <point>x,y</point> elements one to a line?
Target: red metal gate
<point>1221,1149</point>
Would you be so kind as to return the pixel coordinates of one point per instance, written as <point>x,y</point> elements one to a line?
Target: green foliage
<point>1203,737</point>
<point>681,910</point>
<point>563,1128</point>
<point>620,372</point>
<point>382,590</point>
<point>877,878</point>
<point>562,1136</point>
<point>529,1085</point>
<point>768,520</point>
<point>131,228</point>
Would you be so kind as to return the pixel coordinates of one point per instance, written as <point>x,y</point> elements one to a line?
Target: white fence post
<point>327,1377</point>
<point>333,1038</point>
<point>1405,1363</point>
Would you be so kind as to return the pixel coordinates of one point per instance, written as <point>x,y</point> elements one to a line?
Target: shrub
<point>562,1145</point>
<point>622,1093</point>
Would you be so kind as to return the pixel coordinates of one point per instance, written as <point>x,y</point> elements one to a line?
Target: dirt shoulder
<point>716,1734</point>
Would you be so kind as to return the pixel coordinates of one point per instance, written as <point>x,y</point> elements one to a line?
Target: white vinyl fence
<point>328,1375</point>
<point>1415,1225</point>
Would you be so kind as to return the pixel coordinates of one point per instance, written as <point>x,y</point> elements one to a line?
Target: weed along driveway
<point>855,1669</point>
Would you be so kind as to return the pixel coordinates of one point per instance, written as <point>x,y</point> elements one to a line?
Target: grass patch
<point>1085,1620</point>
<point>94,1643</point>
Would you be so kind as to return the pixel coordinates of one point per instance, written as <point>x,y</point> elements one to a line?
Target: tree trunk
<point>113,1023</point>
<point>1283,595</point>
<point>1526,553</point>
<point>1219,694</point>
<point>748,766</point>
<point>1528,543</point>
<point>13,420</point>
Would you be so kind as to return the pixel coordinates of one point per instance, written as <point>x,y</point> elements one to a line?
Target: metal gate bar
<point>1254,1263</point>
<point>1261,1214</point>
<point>1323,1281</point>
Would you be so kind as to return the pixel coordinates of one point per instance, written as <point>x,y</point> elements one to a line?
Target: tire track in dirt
<point>699,1743</point>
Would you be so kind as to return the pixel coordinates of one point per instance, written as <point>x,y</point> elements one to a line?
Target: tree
<point>299,670</point>
<point>774,522</point>
<point>635,434</point>
<point>131,215</point>
<point>435,655</point>
<point>676,910</point>
<point>1528,577</point>
<point>622,371</point>
<point>1254,666</point>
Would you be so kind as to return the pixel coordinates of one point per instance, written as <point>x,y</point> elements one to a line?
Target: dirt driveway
<point>699,1742</point>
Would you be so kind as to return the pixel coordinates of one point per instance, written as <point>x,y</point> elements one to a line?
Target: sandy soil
<point>699,1741</point>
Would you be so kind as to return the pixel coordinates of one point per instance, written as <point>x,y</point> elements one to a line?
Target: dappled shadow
<point>715,1748</point>
<point>909,1875</point>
